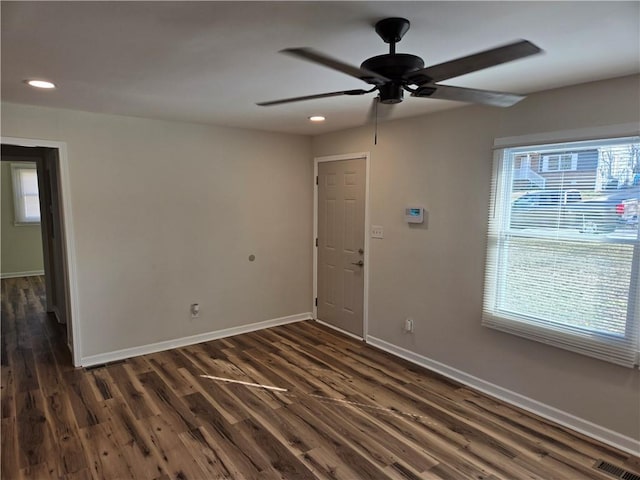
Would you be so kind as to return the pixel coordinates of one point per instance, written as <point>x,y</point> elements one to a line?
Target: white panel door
<point>341,200</point>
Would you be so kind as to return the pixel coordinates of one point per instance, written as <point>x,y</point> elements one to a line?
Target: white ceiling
<point>209,62</point>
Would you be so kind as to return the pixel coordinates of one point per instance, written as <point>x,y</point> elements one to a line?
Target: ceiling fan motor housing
<point>390,93</point>
<point>394,66</point>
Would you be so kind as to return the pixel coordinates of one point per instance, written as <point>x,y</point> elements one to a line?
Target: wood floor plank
<point>63,428</point>
<point>294,401</point>
<point>282,460</point>
<point>34,437</point>
<point>49,379</point>
<point>273,420</point>
<point>79,475</point>
<point>104,454</point>
<point>261,374</point>
<point>88,410</point>
<point>7,393</point>
<point>41,471</point>
<point>238,449</point>
<point>219,398</point>
<point>135,443</point>
<point>348,454</point>
<point>172,408</point>
<point>10,465</point>
<point>103,384</point>
<point>206,455</point>
<point>24,368</point>
<point>129,387</point>
<point>178,461</point>
<point>166,365</point>
<point>326,465</point>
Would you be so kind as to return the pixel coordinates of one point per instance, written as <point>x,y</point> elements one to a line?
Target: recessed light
<point>40,84</point>
<point>317,118</point>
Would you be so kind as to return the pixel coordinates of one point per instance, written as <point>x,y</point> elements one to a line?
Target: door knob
<point>360,263</point>
<point>360,251</point>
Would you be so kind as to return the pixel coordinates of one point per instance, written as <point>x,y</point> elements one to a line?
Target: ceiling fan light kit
<point>394,73</point>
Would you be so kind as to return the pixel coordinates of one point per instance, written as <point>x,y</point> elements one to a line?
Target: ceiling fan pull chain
<point>375,128</point>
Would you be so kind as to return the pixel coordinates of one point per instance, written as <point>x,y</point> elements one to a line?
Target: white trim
<point>590,133</point>
<point>107,357</point>
<point>561,417</point>
<point>65,186</point>
<point>367,228</point>
<point>56,313</point>
<point>32,273</point>
<point>338,329</point>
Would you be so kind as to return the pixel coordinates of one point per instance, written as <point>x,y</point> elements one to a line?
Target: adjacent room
<point>320,240</point>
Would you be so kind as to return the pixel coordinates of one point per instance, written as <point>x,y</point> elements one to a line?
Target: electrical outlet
<point>377,231</point>
<point>408,325</point>
<point>195,310</point>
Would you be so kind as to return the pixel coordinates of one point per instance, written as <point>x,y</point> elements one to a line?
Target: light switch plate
<point>377,231</point>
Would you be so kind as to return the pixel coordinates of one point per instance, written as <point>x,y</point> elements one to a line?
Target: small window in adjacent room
<point>563,255</point>
<point>25,193</point>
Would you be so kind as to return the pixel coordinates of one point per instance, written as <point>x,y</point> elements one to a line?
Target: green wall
<point>21,245</point>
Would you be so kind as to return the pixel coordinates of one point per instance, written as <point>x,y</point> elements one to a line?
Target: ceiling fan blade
<point>460,94</point>
<point>314,56</point>
<point>313,97</point>
<point>473,63</point>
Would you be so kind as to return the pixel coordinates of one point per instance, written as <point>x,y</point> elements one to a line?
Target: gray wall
<point>443,161</point>
<point>166,214</point>
<point>21,246</point>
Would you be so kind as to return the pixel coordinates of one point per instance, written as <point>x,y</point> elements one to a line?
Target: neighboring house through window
<point>26,201</point>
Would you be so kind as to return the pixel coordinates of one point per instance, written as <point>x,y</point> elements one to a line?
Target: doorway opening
<point>37,209</point>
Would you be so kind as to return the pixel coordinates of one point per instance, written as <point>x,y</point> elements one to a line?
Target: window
<point>563,261</point>
<point>25,193</point>
<point>559,162</point>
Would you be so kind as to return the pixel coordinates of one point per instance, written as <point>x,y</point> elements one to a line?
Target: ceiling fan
<point>393,73</point>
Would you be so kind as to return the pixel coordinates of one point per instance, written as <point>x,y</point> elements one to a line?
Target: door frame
<point>365,307</point>
<point>73,322</point>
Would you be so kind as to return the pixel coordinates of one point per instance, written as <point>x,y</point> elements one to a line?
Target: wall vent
<point>616,471</point>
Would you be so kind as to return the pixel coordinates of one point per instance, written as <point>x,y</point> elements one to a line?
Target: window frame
<point>19,208</point>
<point>582,340</point>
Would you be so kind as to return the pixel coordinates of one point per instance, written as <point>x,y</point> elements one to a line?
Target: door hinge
<point>316,241</point>
<point>317,180</point>
<point>316,301</point>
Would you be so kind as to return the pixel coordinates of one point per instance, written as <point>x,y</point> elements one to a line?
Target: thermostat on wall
<point>414,214</point>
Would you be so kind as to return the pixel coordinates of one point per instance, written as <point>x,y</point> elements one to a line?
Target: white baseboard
<point>337,329</point>
<point>191,340</point>
<point>32,273</point>
<point>578,424</point>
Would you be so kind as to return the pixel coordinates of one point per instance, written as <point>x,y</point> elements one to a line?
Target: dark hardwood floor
<point>339,410</point>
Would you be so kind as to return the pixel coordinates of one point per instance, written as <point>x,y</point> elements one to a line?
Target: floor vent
<point>101,365</point>
<point>616,471</point>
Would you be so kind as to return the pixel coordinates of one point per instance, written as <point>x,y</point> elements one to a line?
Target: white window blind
<point>25,193</point>
<point>563,255</point>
